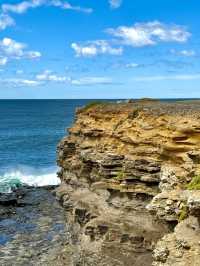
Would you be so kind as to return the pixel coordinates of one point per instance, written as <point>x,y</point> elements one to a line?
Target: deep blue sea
<point>29,133</point>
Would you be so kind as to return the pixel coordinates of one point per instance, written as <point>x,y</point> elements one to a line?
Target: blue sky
<point>99,49</point>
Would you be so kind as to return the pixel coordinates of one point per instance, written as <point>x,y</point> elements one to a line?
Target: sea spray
<point>31,177</point>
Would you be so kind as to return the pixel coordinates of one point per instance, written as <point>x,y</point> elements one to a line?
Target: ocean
<point>29,133</point>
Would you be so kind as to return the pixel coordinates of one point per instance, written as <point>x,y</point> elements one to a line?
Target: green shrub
<point>194,184</point>
<point>183,214</point>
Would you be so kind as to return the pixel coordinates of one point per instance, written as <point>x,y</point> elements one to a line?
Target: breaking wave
<point>27,176</point>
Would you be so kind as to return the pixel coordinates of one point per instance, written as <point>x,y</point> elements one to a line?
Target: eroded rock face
<point>124,170</point>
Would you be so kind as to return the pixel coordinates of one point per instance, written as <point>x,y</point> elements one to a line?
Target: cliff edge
<point>130,184</point>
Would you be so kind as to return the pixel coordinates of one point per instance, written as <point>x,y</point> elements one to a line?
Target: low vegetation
<point>194,184</point>
<point>92,104</point>
<point>120,176</point>
<point>183,214</point>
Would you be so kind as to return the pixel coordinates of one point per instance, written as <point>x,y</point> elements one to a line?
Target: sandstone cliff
<point>125,170</point>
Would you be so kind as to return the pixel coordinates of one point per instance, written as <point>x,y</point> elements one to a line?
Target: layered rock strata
<point>125,170</point>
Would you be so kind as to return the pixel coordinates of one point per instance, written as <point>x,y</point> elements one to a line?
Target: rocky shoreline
<point>130,180</point>
<point>32,228</point>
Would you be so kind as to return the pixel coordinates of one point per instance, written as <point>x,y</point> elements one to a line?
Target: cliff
<point>130,180</point>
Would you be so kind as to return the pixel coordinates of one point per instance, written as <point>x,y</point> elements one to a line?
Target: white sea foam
<point>35,178</point>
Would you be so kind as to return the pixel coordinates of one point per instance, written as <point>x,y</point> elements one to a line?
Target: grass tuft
<point>194,184</point>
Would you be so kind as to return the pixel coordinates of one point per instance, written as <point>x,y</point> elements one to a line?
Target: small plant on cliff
<point>194,184</point>
<point>120,176</point>
<point>183,214</point>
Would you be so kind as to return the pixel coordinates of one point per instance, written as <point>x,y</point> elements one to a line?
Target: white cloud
<point>19,72</point>
<point>24,6</point>
<point>3,61</point>
<point>48,75</point>
<point>151,33</point>
<point>89,50</point>
<point>173,77</point>
<point>94,48</point>
<point>6,21</point>
<point>92,81</point>
<point>27,82</point>
<point>14,82</point>
<point>187,53</point>
<point>10,49</point>
<point>131,65</point>
<point>33,54</point>
<point>67,5</point>
<point>124,65</point>
<point>115,3</point>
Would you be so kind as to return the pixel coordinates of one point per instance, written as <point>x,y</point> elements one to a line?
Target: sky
<point>57,49</point>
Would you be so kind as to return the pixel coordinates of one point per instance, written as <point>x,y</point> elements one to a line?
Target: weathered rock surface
<point>124,171</point>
